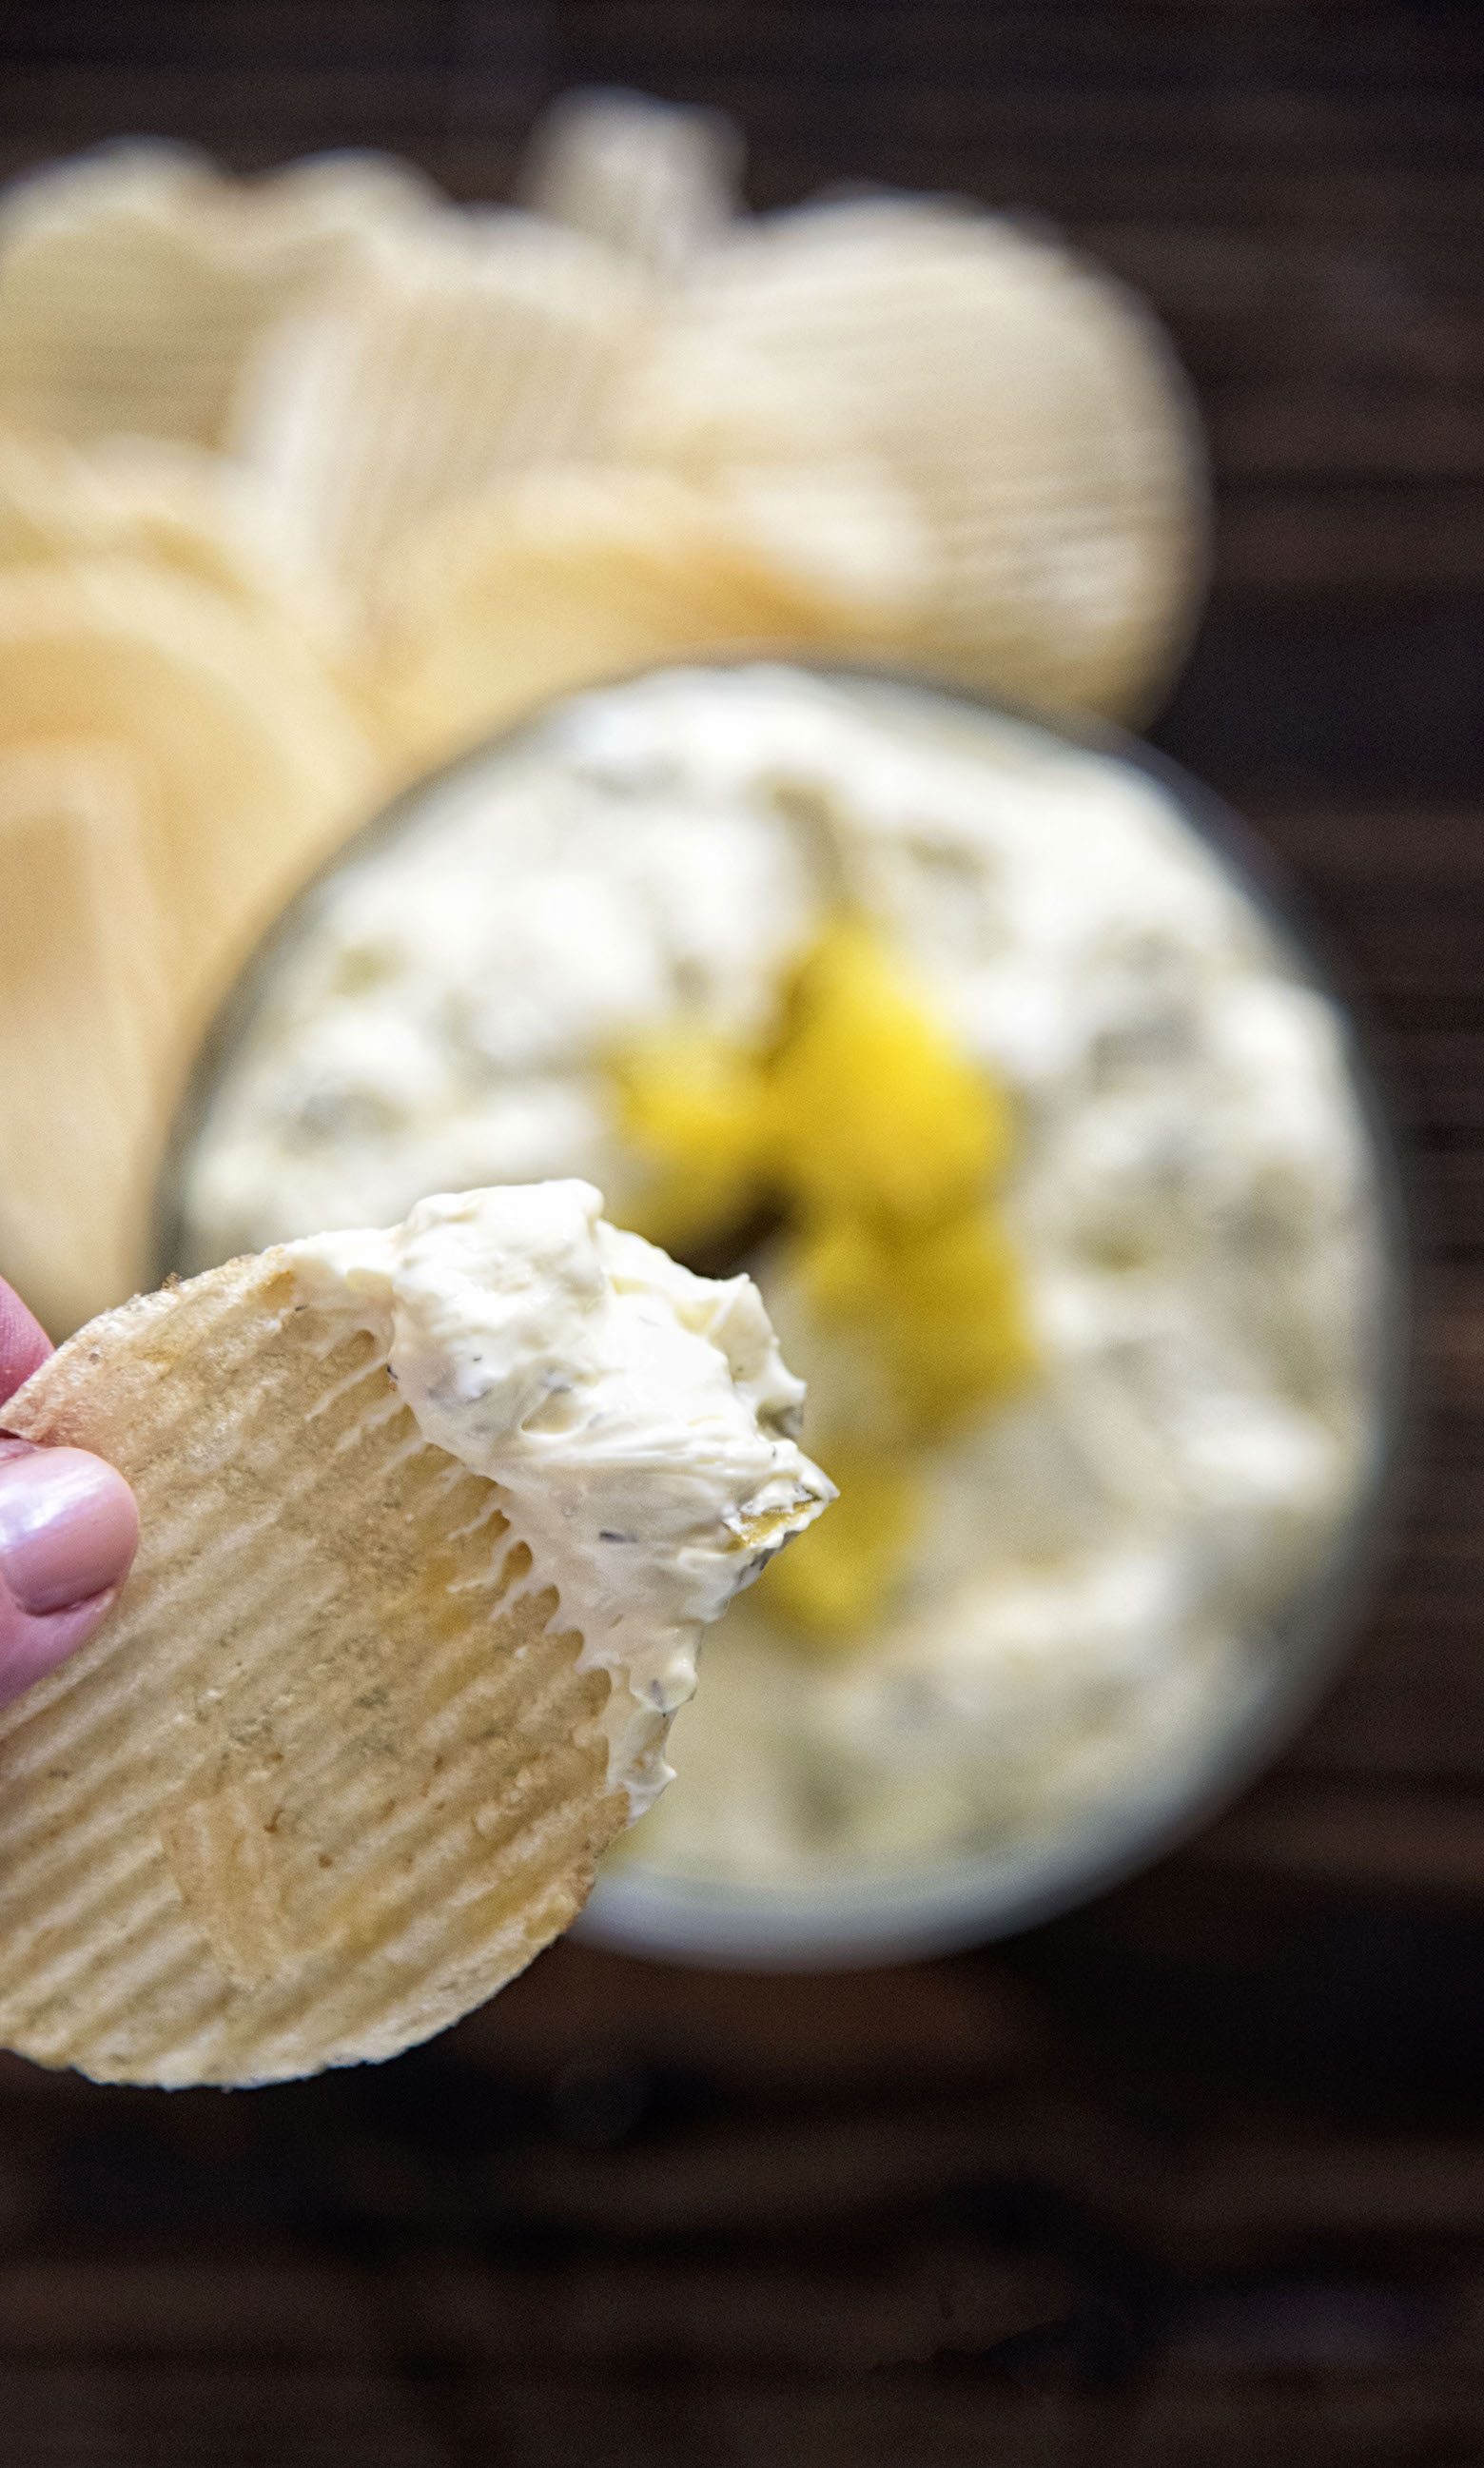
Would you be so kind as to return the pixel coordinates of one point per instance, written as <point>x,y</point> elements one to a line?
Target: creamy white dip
<point>1102,1564</point>
<point>636,1419</point>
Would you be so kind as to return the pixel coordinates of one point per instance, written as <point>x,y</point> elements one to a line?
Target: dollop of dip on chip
<point>638,1420</point>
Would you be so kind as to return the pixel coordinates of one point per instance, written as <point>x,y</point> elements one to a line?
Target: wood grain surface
<point>1192,2178</point>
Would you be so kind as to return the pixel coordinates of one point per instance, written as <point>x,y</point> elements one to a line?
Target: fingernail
<point>68,1527</point>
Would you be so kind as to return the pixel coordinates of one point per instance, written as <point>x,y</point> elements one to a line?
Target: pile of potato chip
<point>308,481</point>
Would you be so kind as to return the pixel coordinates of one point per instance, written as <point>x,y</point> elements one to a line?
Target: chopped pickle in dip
<point>942,1305</point>
<point>860,1105</point>
<point>696,1108</point>
<point>873,1135</point>
<point>874,1111</point>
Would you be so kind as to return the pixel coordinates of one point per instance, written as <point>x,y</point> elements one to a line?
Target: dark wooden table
<point>1194,2178</point>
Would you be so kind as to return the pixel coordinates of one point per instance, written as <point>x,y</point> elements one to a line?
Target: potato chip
<point>653,180</point>
<point>1029,405</point>
<point>846,529</point>
<point>243,767</point>
<point>249,762</point>
<point>477,347</point>
<point>340,1759</point>
<point>172,505</point>
<point>84,1021</point>
<point>567,577</point>
<point>133,280</point>
<point>330,1774</point>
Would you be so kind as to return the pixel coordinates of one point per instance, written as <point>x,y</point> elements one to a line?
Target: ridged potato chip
<point>243,766</point>
<point>85,1025</point>
<point>134,280</point>
<point>329,1775</point>
<point>482,345</point>
<point>567,577</point>
<point>250,763</point>
<point>180,507</point>
<point>656,181</point>
<point>1029,405</point>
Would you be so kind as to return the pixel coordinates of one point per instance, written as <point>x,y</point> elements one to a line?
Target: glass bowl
<point>883,1911</point>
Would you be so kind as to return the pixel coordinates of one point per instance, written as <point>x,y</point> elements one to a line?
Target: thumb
<point>68,1531</point>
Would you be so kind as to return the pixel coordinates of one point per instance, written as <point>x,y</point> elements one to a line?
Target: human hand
<point>68,1528</point>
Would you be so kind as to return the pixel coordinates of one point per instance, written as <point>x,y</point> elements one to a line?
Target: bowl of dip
<point>991,1050</point>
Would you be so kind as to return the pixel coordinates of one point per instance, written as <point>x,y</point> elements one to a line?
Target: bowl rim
<point>867,1914</point>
